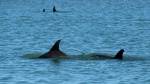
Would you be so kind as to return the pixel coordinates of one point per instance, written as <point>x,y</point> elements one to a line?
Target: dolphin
<point>54,9</point>
<point>119,55</point>
<point>54,52</point>
<point>43,10</point>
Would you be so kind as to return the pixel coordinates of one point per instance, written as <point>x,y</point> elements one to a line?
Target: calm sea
<point>84,27</point>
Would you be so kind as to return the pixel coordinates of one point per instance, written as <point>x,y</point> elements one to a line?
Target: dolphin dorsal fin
<point>119,55</point>
<point>43,10</point>
<point>54,10</point>
<point>55,46</point>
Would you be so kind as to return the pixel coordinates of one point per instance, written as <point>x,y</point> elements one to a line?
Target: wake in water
<point>83,57</point>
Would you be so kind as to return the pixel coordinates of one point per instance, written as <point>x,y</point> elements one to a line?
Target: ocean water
<point>84,27</point>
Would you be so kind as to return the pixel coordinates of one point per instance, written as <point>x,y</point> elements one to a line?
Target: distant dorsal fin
<point>43,10</point>
<point>55,46</point>
<point>119,55</point>
<point>54,9</point>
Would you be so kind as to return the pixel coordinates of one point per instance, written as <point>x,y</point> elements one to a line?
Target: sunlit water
<point>85,27</point>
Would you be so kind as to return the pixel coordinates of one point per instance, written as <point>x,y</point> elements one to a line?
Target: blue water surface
<point>84,27</point>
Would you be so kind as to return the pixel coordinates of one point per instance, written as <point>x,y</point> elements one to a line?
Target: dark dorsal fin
<point>54,10</point>
<point>55,46</point>
<point>119,55</point>
<point>43,10</point>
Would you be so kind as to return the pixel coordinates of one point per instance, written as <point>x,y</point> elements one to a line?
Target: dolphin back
<point>54,52</point>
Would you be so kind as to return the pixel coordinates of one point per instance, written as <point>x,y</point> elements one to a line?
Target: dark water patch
<point>5,78</point>
<point>22,82</point>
